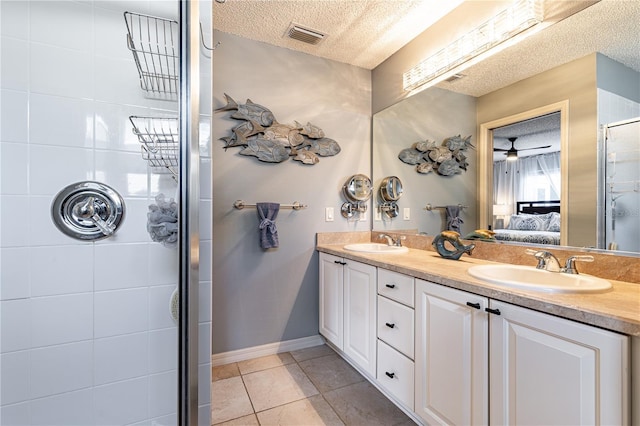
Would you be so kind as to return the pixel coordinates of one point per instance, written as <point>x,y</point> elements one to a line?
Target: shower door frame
<point>189,240</point>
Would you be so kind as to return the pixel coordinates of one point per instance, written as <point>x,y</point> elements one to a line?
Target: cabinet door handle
<point>390,285</point>
<point>473,305</point>
<point>390,375</point>
<point>492,311</point>
<point>339,262</point>
<point>389,325</point>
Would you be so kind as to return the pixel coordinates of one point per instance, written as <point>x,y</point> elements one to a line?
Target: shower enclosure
<point>622,185</point>
<point>101,332</point>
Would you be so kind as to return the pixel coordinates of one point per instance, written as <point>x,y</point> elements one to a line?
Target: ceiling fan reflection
<point>512,153</point>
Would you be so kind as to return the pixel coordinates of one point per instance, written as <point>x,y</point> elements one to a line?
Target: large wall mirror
<point>593,85</point>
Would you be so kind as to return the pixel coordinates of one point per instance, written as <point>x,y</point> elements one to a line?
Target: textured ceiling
<point>539,131</point>
<point>359,32</point>
<point>366,32</point>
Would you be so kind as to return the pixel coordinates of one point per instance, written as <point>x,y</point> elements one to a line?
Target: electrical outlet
<point>328,214</point>
<point>406,213</point>
<point>377,215</point>
<point>363,217</point>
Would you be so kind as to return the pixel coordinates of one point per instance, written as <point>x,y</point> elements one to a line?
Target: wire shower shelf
<point>153,42</point>
<point>159,140</point>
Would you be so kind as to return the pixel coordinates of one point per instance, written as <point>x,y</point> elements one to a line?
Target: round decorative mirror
<point>390,189</point>
<point>357,188</point>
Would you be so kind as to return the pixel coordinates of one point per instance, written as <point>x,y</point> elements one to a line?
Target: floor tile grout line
<point>297,362</point>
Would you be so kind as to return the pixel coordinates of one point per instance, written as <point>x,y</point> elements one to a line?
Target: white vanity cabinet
<point>451,356</point>
<point>396,335</point>
<point>519,365</point>
<point>348,308</point>
<point>552,371</point>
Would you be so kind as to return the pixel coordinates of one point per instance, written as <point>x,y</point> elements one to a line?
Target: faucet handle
<point>540,255</point>
<point>398,241</point>
<point>570,265</point>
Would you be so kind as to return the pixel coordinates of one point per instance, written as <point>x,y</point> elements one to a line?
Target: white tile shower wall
<point>86,337</point>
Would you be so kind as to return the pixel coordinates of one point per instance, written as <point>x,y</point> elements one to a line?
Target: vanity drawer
<point>395,325</point>
<point>396,286</point>
<point>395,373</point>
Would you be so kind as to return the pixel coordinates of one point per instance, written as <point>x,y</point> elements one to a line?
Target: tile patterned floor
<point>312,386</point>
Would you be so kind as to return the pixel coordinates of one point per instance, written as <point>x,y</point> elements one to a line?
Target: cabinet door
<point>360,314</point>
<point>331,300</point>
<point>547,370</point>
<point>451,356</point>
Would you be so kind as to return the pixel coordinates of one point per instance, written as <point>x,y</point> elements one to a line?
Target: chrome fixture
<point>390,192</point>
<point>430,207</point>
<point>570,265</point>
<point>549,262</point>
<point>393,241</point>
<point>546,260</point>
<point>88,210</point>
<point>239,204</point>
<point>357,190</point>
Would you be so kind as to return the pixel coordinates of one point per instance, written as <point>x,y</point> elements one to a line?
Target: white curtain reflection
<point>535,178</point>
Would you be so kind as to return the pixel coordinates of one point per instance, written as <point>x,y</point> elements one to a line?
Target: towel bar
<point>239,204</point>
<point>429,207</point>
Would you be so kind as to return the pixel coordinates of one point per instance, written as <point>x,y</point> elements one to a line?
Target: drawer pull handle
<point>389,325</point>
<point>492,311</point>
<point>390,285</point>
<point>339,262</point>
<point>390,375</point>
<point>473,305</point>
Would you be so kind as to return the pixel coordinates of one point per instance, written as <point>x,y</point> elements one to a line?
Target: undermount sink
<point>530,278</point>
<point>375,248</point>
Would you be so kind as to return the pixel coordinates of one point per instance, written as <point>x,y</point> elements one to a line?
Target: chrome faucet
<point>549,262</point>
<point>391,241</point>
<point>570,266</point>
<point>546,261</point>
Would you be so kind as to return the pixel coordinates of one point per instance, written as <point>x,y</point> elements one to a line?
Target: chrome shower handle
<point>86,209</point>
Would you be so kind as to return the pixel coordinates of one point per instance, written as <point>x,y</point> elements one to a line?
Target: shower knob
<point>88,210</point>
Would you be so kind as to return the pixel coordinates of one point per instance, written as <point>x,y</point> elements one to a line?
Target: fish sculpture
<point>448,159</point>
<point>453,239</point>
<point>260,135</point>
<point>248,111</point>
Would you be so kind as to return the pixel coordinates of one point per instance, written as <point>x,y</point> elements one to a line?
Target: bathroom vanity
<point>448,348</point>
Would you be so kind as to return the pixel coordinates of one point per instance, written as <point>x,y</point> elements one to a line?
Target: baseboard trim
<point>268,349</point>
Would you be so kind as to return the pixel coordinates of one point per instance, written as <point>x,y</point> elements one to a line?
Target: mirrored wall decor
<point>357,191</point>
<point>261,136</point>
<point>389,193</point>
<point>595,85</point>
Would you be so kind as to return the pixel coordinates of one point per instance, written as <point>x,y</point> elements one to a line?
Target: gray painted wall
<point>616,78</point>
<point>259,296</point>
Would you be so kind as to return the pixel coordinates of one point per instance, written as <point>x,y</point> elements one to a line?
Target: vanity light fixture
<point>478,44</point>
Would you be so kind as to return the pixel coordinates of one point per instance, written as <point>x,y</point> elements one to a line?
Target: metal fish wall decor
<point>261,136</point>
<point>446,160</point>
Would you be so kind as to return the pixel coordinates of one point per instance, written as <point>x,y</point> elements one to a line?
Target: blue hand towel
<point>268,231</point>
<point>453,219</point>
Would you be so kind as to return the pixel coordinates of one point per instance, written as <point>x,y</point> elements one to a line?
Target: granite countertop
<point>617,309</point>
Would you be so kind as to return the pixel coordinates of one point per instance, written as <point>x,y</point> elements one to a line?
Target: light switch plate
<point>406,213</point>
<point>377,215</point>
<point>328,214</point>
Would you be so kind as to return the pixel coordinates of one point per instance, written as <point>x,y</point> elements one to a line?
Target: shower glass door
<point>88,334</point>
<point>622,185</point>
